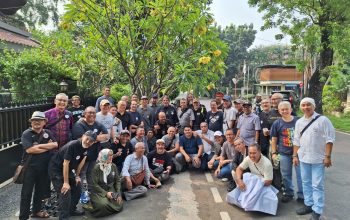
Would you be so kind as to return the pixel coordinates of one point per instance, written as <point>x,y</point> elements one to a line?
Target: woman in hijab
<point>106,196</point>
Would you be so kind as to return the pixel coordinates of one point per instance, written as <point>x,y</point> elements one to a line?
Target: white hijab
<point>105,166</point>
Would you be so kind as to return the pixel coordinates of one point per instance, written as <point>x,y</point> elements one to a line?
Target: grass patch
<point>340,123</point>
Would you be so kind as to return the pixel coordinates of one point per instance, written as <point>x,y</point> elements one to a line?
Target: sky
<point>238,12</point>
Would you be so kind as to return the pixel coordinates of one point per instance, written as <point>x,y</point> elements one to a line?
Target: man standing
<point>215,118</point>
<point>200,114</point>
<point>37,144</point>
<point>106,95</point>
<point>282,133</point>
<point>60,120</point>
<point>229,113</point>
<point>155,107</point>
<point>185,115</point>
<point>248,125</point>
<point>218,98</point>
<point>107,120</point>
<point>76,109</point>
<point>64,169</point>
<point>265,127</point>
<point>191,149</point>
<point>146,113</point>
<point>169,111</point>
<point>123,115</point>
<point>239,108</point>
<point>313,142</point>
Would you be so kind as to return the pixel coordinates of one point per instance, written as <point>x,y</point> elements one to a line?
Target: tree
<point>160,45</point>
<point>313,25</point>
<point>239,39</point>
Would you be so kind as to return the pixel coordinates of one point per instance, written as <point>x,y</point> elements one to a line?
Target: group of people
<point>118,150</point>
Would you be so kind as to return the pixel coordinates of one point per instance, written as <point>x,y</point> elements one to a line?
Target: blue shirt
<point>190,145</point>
<point>97,106</point>
<point>284,132</point>
<point>133,165</point>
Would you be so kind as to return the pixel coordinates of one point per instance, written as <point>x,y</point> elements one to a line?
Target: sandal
<point>41,214</point>
<point>158,184</point>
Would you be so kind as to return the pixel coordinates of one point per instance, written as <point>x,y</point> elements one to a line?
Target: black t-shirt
<point>170,113</point>
<point>81,127</point>
<point>215,120</point>
<point>72,151</point>
<point>29,139</point>
<point>77,112</point>
<point>158,160</point>
<point>126,119</point>
<point>126,150</point>
<point>163,130</point>
<point>200,116</point>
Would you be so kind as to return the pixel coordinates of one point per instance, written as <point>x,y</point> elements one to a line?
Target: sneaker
<point>77,213</point>
<point>286,198</point>
<point>304,210</point>
<point>224,179</point>
<point>315,216</point>
<point>84,197</point>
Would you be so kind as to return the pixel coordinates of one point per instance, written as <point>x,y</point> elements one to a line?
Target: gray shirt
<point>210,135</point>
<point>228,151</point>
<point>133,165</point>
<point>134,141</point>
<point>248,124</point>
<point>147,116</point>
<point>186,117</point>
<point>170,141</point>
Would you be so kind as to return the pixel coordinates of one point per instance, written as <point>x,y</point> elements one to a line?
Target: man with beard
<point>161,126</point>
<point>159,162</point>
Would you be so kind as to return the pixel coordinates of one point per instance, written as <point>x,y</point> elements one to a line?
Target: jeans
<point>225,171</point>
<point>182,162</point>
<point>66,202</point>
<point>38,180</point>
<point>313,185</point>
<point>86,173</point>
<point>286,167</point>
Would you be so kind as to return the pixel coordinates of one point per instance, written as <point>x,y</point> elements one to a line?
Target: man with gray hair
<point>313,142</point>
<point>60,120</point>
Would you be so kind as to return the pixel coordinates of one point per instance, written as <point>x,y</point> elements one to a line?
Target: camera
<point>115,195</point>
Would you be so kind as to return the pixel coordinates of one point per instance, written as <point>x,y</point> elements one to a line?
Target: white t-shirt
<point>107,121</point>
<point>210,135</point>
<point>263,168</point>
<point>229,115</point>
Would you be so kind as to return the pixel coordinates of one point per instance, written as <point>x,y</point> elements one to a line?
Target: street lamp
<point>63,86</point>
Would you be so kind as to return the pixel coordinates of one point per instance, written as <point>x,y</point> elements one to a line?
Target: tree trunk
<point>315,88</point>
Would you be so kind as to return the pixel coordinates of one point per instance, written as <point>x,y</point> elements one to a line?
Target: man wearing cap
<point>207,137</point>
<point>200,114</point>
<point>229,113</point>
<point>191,149</point>
<point>185,115</point>
<point>146,113</point>
<point>107,120</point>
<point>312,152</point>
<point>218,142</point>
<point>239,108</point>
<point>122,149</point>
<point>64,169</point>
<point>169,111</point>
<point>227,154</point>
<point>89,123</point>
<point>248,125</point>
<point>159,162</point>
<point>215,118</point>
<point>37,143</point>
<point>218,98</point>
<point>106,95</point>
<point>77,109</point>
<point>60,120</point>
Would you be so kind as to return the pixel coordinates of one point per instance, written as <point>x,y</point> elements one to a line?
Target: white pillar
<point>347,106</point>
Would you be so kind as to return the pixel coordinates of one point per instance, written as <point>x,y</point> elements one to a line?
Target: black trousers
<point>37,179</point>
<point>66,202</point>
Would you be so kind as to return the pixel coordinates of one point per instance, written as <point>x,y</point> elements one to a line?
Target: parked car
<point>290,96</point>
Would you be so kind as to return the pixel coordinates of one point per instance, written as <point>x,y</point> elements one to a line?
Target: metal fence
<point>13,121</point>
